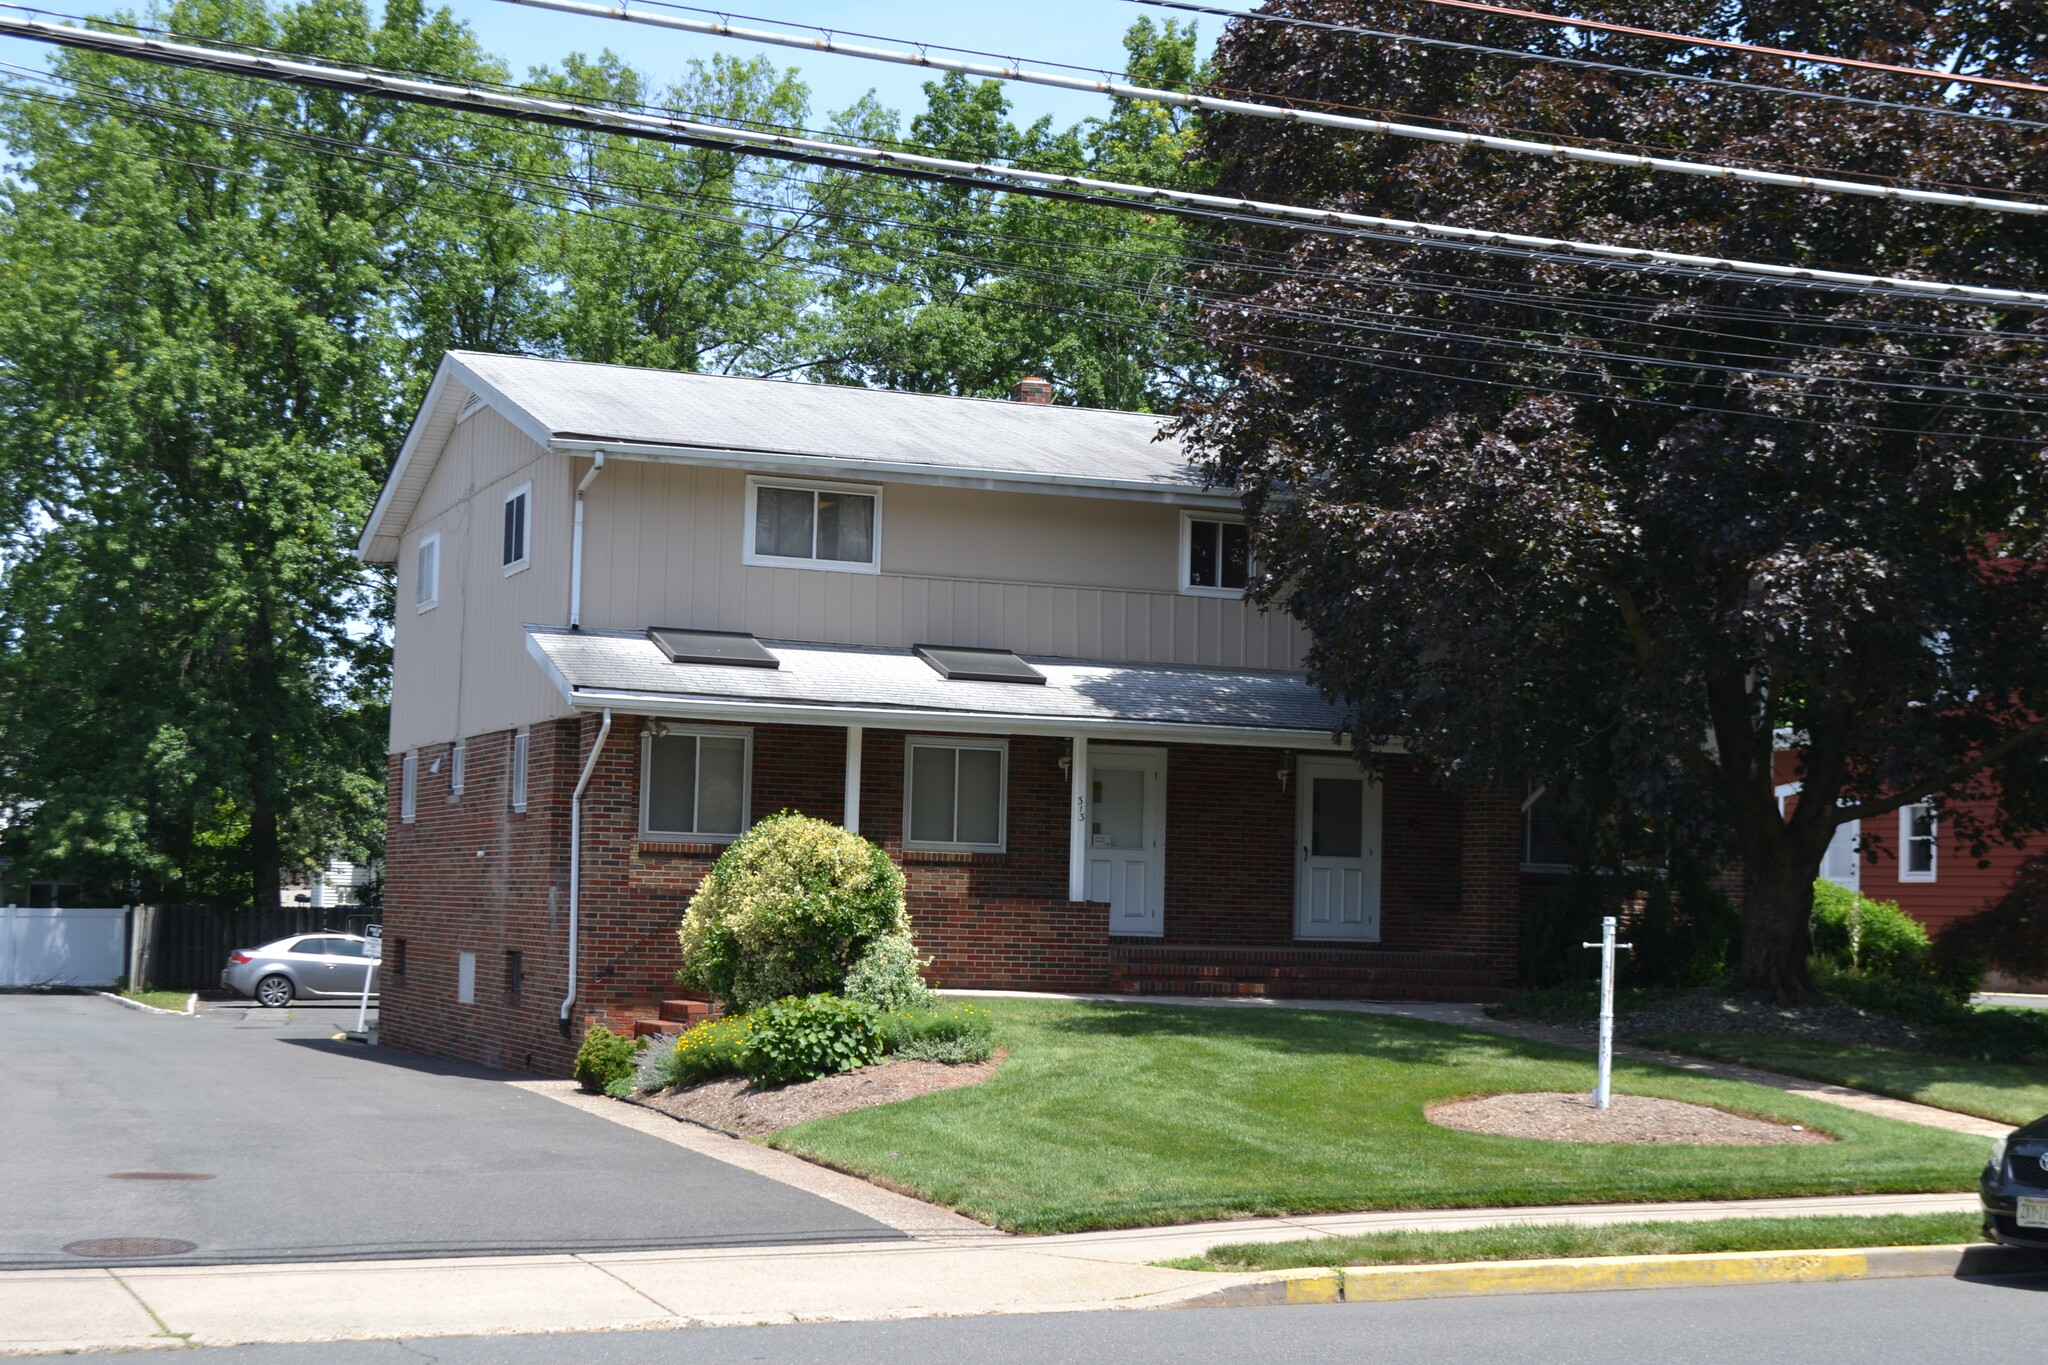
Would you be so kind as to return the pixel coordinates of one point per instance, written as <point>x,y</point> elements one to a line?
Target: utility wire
<point>1579,63</point>
<point>1401,326</point>
<point>1212,104</point>
<point>1730,45</point>
<point>975,175</point>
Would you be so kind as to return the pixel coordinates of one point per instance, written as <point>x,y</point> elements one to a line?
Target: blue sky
<point>1085,32</point>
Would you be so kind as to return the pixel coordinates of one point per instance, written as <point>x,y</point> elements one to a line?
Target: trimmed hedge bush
<point>890,976</point>
<point>1854,933</point>
<point>604,1058</point>
<point>803,1039</point>
<point>788,910</point>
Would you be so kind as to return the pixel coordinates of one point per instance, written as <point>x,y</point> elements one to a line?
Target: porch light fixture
<point>957,664</point>
<point>1285,772</point>
<point>732,648</point>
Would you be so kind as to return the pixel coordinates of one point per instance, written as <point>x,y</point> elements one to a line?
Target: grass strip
<point>1568,1240</point>
<point>1136,1115</point>
<point>2002,1091</point>
<point>163,1000</point>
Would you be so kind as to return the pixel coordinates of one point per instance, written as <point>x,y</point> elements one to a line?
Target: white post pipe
<point>1077,823</point>
<point>576,860</point>
<point>1603,1092</point>
<point>576,545</point>
<point>850,815</point>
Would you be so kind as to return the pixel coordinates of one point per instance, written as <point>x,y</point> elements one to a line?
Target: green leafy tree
<point>1651,531</point>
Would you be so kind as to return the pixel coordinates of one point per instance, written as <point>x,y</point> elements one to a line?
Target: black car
<point>2015,1188</point>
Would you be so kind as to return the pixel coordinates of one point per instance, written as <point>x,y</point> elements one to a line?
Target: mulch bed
<point>1554,1116</point>
<point>733,1104</point>
<point>1829,1023</point>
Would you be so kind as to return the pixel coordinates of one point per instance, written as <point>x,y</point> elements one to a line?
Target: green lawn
<point>2002,1091</point>
<point>163,1000</point>
<point>1616,1239</point>
<point>1115,1115</point>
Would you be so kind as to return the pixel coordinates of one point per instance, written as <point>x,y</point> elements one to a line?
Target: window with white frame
<point>518,519</point>
<point>814,525</point>
<point>694,784</point>
<point>954,793</point>
<point>426,588</point>
<point>1916,843</point>
<point>1215,556</point>
<point>409,788</point>
<point>521,746</point>
<point>458,765</point>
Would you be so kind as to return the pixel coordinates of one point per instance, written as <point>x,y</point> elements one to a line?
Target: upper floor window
<point>953,798</point>
<point>1215,556</point>
<point>458,765</point>
<point>814,525</point>
<point>518,516</point>
<point>1916,843</point>
<point>426,589</point>
<point>693,783</point>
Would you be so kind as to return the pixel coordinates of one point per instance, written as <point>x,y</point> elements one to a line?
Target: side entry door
<point>1127,837</point>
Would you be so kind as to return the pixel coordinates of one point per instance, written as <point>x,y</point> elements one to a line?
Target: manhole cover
<point>158,1175</point>
<point>111,1248</point>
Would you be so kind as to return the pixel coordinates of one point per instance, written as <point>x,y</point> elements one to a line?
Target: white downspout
<point>576,858</point>
<point>576,545</point>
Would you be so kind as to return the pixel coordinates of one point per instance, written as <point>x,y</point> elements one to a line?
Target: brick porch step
<point>672,1017</point>
<point>1304,973</point>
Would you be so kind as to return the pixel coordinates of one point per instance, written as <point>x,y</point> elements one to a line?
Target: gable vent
<point>471,407</point>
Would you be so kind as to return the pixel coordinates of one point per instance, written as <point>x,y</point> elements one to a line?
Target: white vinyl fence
<point>72,947</point>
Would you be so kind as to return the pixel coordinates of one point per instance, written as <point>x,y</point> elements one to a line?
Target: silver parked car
<point>305,965</point>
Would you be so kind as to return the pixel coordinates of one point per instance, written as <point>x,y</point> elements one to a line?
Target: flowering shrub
<point>801,1039</point>
<point>890,975</point>
<point>949,1033</point>
<point>709,1050</point>
<point>787,910</point>
<point>605,1057</point>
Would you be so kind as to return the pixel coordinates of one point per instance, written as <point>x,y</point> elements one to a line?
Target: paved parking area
<point>313,1149</point>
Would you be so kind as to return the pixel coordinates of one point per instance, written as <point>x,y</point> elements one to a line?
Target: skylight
<point>733,648</point>
<point>979,665</point>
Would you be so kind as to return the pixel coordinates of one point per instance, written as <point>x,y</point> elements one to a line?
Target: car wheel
<point>274,992</point>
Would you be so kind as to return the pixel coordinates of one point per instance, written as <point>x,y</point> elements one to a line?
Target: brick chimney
<point>1032,390</point>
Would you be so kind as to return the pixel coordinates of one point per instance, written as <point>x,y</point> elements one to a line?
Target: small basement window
<point>1216,556</point>
<point>978,665</point>
<point>954,795</point>
<point>732,647</point>
<point>694,783</point>
<point>814,525</point>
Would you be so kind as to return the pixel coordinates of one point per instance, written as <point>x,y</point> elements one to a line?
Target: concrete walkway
<point>1475,1017</point>
<point>938,1265</point>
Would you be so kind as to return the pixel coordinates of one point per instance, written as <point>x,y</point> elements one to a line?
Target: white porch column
<point>1077,824</point>
<point>851,819</point>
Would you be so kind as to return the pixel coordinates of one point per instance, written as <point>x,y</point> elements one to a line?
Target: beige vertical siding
<point>960,567</point>
<point>462,668</point>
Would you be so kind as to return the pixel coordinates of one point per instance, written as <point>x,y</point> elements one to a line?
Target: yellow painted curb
<point>1378,1283</point>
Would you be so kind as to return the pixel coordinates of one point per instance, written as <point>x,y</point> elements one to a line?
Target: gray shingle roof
<point>662,407</point>
<point>881,679</point>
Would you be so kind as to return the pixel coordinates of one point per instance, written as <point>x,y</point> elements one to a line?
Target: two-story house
<point>638,610</point>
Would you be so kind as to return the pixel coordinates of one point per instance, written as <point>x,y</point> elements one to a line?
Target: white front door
<point>1127,837</point>
<point>1337,888</point>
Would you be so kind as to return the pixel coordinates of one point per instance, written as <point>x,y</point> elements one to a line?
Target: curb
<point>1386,1283</point>
<point>191,1004</point>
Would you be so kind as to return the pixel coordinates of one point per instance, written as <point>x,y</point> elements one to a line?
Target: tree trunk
<point>1777,918</point>
<point>265,878</point>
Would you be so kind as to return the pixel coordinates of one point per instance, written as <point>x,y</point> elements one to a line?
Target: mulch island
<point>1569,1116</point>
<point>736,1105</point>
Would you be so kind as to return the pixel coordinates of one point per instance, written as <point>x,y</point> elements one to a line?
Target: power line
<point>1212,104</point>
<point>1414,329</point>
<point>1729,45</point>
<point>1580,63</point>
<point>979,175</point>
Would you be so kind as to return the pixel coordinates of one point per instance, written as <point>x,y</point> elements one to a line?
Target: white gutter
<point>669,705</point>
<point>576,545</point>
<point>1076,485</point>
<point>576,862</point>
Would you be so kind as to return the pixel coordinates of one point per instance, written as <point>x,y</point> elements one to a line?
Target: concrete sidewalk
<point>940,1265</point>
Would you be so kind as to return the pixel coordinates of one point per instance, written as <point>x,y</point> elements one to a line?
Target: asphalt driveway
<point>324,1150</point>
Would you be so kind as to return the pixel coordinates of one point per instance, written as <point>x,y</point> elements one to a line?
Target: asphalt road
<point>1871,1322</point>
<point>324,1150</point>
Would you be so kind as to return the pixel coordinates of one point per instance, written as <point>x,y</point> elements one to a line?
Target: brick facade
<point>471,875</point>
